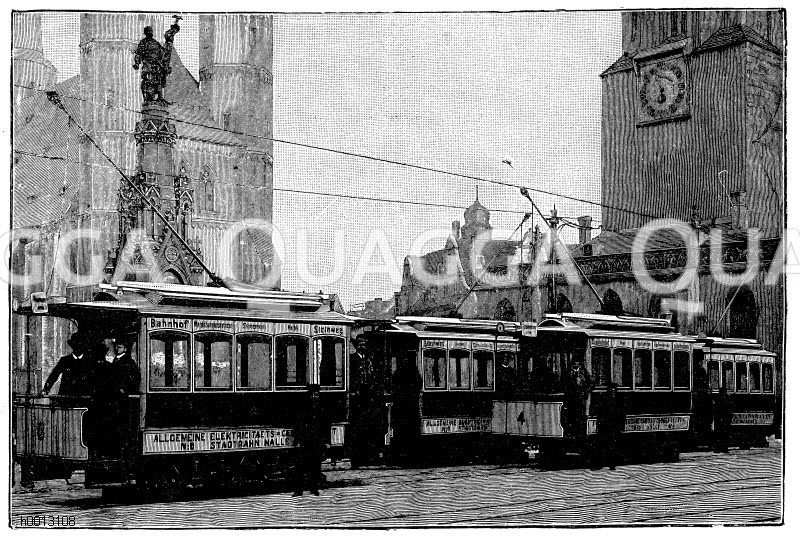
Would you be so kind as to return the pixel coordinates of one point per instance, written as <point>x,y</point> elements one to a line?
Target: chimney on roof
<point>585,231</point>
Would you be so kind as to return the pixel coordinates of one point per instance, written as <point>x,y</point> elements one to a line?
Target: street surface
<point>742,487</point>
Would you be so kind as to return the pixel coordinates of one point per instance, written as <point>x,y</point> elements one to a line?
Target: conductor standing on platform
<point>310,437</point>
<point>73,369</point>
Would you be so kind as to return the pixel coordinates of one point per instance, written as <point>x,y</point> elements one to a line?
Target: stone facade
<point>215,167</point>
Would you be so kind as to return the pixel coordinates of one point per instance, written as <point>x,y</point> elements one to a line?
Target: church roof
<point>621,242</point>
<point>724,37</point>
<point>193,118</point>
<point>44,163</point>
<point>735,35</point>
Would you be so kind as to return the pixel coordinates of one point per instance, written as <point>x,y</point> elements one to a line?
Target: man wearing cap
<point>73,369</point>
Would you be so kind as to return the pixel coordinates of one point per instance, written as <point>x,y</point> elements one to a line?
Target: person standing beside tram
<point>610,427</point>
<point>577,387</point>
<point>722,420</point>
<point>311,436</point>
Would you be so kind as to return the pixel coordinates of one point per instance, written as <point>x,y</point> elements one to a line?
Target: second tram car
<point>438,379</point>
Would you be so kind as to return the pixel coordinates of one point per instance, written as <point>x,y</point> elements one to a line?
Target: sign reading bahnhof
<point>215,440</point>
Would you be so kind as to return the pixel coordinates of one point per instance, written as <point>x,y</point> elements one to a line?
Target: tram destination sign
<point>456,425</point>
<point>215,440</point>
<point>183,324</point>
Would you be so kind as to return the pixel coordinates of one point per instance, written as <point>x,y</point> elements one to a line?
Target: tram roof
<point>491,326</point>
<point>162,299</point>
<point>577,321</point>
<point>733,345</point>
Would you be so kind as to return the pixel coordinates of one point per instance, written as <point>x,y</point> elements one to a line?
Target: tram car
<point>566,365</point>
<point>224,376</point>
<point>747,372</point>
<point>433,382</point>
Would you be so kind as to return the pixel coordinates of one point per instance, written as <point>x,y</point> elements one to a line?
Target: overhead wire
<point>361,156</point>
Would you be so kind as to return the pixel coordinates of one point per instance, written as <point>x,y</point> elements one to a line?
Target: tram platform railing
<point>50,427</point>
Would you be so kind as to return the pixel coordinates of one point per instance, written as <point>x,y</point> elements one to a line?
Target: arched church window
<point>505,311</point>
<point>612,304</point>
<point>172,277</point>
<point>743,313</point>
<point>207,190</point>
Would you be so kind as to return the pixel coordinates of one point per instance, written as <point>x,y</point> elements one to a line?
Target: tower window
<point>207,191</point>
<point>677,23</point>
<point>634,25</point>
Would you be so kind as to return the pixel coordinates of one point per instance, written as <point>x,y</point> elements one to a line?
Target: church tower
<point>236,82</point>
<point>31,71</point>
<point>694,108</point>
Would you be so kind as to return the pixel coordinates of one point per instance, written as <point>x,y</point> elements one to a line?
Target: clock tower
<point>693,117</point>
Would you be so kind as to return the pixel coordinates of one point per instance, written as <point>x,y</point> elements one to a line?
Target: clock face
<point>663,91</point>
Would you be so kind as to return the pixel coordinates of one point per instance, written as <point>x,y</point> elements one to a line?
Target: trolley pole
<point>552,222</point>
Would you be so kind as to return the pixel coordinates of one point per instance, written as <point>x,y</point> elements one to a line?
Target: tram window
<point>459,369</point>
<point>662,376</point>
<point>713,375</point>
<point>601,366</point>
<point>681,369</point>
<point>254,361</point>
<point>643,369</point>
<point>741,377</point>
<point>484,369</point>
<point>168,366</point>
<point>623,368</point>
<point>291,361</point>
<point>435,364</point>
<point>212,361</point>
<point>766,374</point>
<point>329,352</point>
<point>755,377</point>
<point>727,375</point>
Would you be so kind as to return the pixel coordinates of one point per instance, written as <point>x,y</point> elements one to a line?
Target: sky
<point>459,92</point>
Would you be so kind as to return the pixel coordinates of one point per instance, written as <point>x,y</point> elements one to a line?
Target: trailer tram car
<point>747,371</point>
<point>648,361</point>
<point>223,377</point>
<point>439,379</point>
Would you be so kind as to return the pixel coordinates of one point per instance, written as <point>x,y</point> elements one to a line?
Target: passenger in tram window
<point>311,436</point>
<point>610,427</point>
<point>722,420</point>
<point>73,369</point>
<point>506,377</point>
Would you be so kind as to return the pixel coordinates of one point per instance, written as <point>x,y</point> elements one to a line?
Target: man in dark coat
<point>577,387</point>
<point>311,435</point>
<point>73,369</point>
<point>406,413</point>
<point>125,375</point>
<point>610,427</point>
<point>722,420</point>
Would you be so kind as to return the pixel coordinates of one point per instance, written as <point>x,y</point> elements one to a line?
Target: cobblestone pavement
<point>703,488</point>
